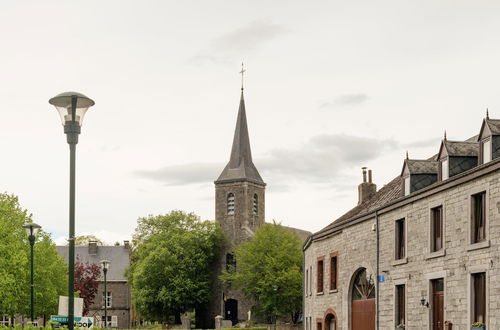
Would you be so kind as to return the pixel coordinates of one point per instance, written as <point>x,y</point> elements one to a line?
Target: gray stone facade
<point>354,238</point>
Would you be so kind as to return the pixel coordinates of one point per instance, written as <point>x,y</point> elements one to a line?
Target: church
<point>240,210</point>
<point>420,253</point>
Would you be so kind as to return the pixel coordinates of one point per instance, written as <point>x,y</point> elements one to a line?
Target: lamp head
<point>32,229</point>
<point>105,264</point>
<point>71,106</point>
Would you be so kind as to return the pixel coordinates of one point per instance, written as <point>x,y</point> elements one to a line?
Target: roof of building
<point>303,234</point>
<point>240,166</point>
<point>422,166</point>
<point>461,148</point>
<point>393,190</point>
<point>493,125</point>
<point>117,255</point>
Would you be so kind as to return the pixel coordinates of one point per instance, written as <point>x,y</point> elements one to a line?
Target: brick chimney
<point>92,247</point>
<point>126,244</point>
<point>367,188</point>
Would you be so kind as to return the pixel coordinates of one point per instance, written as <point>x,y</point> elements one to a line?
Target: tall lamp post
<point>71,107</point>
<point>105,265</point>
<point>32,229</point>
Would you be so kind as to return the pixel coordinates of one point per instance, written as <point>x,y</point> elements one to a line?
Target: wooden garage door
<point>363,314</point>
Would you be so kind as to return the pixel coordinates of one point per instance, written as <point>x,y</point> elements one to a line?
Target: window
<point>479,297</point>
<point>108,299</point>
<point>478,210</point>
<point>400,304</point>
<point>320,275</point>
<point>230,204</point>
<point>407,186</point>
<point>333,271</point>
<point>486,151</point>
<point>445,172</point>
<point>104,323</point>
<point>436,229</point>
<point>400,239</point>
<point>230,262</point>
<point>307,282</point>
<point>255,204</point>
<point>310,279</point>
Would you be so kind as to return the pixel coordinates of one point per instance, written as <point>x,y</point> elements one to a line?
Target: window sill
<point>320,293</point>
<point>399,262</point>
<point>477,246</point>
<point>436,254</point>
<point>333,291</point>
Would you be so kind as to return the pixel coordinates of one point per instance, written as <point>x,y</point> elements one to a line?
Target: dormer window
<point>255,204</point>
<point>407,185</point>
<point>486,151</point>
<point>230,204</point>
<point>445,170</point>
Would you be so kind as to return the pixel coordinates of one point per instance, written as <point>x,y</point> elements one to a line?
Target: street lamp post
<point>32,229</point>
<point>71,107</point>
<point>105,265</point>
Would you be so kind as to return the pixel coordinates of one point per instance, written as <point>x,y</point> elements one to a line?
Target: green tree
<point>171,268</point>
<point>50,269</point>
<point>50,276</point>
<point>14,258</point>
<point>269,271</point>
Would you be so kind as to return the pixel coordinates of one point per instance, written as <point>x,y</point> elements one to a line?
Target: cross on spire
<point>242,72</point>
<point>487,114</point>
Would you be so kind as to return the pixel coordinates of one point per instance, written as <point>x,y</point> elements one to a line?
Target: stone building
<point>240,211</point>
<point>423,251</point>
<point>118,297</point>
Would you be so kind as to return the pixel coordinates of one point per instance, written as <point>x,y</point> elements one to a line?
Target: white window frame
<point>445,168</point>
<point>407,183</point>
<point>108,299</point>
<point>5,320</point>
<point>487,153</point>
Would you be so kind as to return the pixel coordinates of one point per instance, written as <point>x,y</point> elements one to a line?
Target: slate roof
<point>460,148</point>
<point>418,166</point>
<point>117,255</point>
<point>240,166</point>
<point>494,126</point>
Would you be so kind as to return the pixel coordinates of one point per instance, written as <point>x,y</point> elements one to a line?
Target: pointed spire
<point>487,114</point>
<point>445,135</point>
<point>407,154</point>
<point>240,166</point>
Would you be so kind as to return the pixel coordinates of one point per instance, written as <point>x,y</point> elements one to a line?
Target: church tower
<point>239,209</point>
<point>239,190</point>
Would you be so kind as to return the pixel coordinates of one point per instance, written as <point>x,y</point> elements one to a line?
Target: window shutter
<point>114,321</point>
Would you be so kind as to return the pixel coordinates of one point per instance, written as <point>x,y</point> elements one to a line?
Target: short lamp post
<point>32,229</point>
<point>72,108</point>
<point>105,266</point>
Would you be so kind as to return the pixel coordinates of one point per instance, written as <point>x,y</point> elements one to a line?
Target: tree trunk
<point>177,317</point>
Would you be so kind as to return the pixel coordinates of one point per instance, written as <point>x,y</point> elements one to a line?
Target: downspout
<point>377,270</point>
<point>304,317</point>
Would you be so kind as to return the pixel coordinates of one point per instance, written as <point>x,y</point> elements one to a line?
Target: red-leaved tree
<point>86,282</point>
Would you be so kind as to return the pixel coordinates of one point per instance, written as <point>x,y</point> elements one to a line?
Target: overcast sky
<point>330,86</point>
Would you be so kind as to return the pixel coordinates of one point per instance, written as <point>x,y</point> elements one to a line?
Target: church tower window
<point>255,204</point>
<point>230,204</point>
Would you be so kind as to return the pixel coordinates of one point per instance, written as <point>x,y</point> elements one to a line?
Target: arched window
<point>255,204</point>
<point>230,204</point>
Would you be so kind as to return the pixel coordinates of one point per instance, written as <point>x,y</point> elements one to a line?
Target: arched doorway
<point>363,301</point>
<point>330,320</point>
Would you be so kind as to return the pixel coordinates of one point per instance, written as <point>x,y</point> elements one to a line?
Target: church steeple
<point>240,166</point>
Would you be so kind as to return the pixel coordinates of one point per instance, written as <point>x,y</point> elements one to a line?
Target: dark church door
<point>363,302</point>
<point>231,310</point>
<point>437,304</point>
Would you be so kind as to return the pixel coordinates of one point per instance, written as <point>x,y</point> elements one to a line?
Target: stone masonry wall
<point>458,260</point>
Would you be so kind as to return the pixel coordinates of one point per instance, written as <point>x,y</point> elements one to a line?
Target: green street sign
<point>79,322</point>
